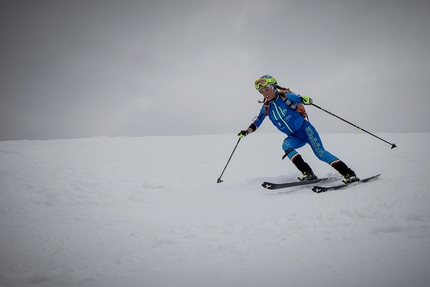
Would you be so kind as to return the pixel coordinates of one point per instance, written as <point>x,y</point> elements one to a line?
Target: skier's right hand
<point>307,100</point>
<point>242,133</point>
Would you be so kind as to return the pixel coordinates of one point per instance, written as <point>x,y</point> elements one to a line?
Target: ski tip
<point>267,185</point>
<point>317,189</point>
<point>371,177</point>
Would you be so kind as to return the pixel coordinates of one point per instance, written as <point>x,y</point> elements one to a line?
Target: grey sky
<point>136,68</point>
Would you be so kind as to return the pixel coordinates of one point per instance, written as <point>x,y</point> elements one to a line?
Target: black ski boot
<point>308,175</point>
<point>348,174</point>
<point>306,170</point>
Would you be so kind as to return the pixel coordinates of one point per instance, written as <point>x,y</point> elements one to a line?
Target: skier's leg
<point>289,145</point>
<point>316,144</point>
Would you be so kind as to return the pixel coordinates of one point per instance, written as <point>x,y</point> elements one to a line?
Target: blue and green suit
<point>299,131</point>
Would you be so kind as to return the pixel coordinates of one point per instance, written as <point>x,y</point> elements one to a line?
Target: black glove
<point>242,133</point>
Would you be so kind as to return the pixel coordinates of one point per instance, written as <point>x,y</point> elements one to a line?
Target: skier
<point>286,111</point>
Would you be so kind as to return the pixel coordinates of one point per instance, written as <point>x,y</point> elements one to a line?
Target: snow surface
<point>148,212</point>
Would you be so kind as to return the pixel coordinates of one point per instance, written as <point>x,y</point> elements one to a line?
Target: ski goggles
<point>261,83</point>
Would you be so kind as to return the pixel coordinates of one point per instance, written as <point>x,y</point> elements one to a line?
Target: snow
<point>147,211</point>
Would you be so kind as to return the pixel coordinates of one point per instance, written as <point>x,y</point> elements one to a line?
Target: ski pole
<point>219,180</point>
<point>393,145</point>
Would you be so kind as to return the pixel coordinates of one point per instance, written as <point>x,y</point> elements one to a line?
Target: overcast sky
<point>88,68</point>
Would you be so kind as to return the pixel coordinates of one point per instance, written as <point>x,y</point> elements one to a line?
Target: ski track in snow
<point>148,212</point>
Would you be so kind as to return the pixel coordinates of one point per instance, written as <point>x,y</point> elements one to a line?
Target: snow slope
<point>147,211</point>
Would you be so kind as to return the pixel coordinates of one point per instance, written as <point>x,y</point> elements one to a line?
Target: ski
<point>320,189</point>
<point>271,185</point>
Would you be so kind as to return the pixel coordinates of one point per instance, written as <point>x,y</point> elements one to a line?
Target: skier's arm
<point>254,126</point>
<point>298,99</point>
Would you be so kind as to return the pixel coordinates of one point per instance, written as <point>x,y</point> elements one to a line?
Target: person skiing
<point>286,111</point>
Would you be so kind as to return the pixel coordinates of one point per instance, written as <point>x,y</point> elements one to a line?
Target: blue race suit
<point>298,130</point>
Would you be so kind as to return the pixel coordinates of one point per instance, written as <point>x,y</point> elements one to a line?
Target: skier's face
<point>268,93</point>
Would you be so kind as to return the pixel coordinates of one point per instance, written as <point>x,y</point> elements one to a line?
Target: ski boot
<point>308,175</point>
<point>350,177</point>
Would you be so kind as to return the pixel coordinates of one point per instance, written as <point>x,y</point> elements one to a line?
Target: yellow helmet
<point>264,81</point>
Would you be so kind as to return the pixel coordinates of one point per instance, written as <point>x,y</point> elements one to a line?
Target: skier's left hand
<point>306,100</point>
<point>242,133</point>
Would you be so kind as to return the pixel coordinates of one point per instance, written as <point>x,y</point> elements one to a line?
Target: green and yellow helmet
<point>264,81</point>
